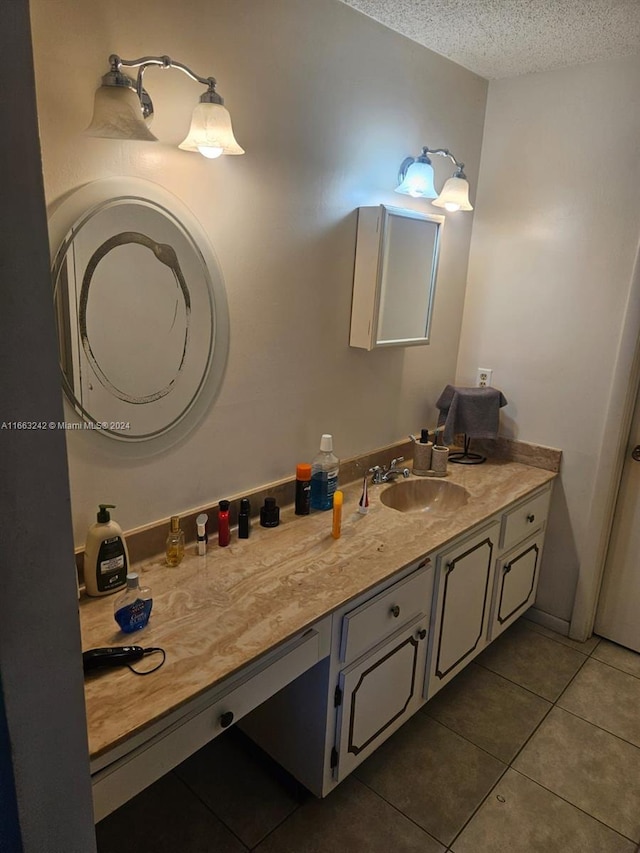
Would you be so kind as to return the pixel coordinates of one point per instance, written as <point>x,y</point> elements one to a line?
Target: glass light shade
<point>418,181</point>
<point>117,114</point>
<point>211,133</point>
<point>454,195</point>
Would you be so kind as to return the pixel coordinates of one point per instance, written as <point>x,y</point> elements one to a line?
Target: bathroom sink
<point>437,497</point>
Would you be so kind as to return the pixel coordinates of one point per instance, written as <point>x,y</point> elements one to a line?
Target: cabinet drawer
<point>371,622</point>
<point>204,719</point>
<point>525,519</point>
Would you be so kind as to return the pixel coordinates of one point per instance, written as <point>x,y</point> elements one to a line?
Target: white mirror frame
<point>69,211</point>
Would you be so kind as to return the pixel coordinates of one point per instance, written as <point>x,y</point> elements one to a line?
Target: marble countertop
<point>217,613</point>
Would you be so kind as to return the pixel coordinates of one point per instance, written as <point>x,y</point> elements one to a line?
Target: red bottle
<point>224,534</point>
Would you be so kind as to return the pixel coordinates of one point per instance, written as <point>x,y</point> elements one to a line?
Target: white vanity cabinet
<point>384,686</point>
<point>395,646</point>
<point>518,567</point>
<point>484,582</point>
<point>325,723</point>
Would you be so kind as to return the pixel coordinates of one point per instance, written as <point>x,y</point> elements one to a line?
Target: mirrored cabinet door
<point>395,277</point>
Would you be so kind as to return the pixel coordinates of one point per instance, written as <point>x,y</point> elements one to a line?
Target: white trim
<point>624,386</point>
<point>554,623</point>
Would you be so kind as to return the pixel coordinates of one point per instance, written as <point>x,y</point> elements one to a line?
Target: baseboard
<point>554,623</point>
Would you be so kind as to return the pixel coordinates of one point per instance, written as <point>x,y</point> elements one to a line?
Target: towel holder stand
<point>465,457</point>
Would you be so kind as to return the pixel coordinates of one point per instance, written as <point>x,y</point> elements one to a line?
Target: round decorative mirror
<point>140,307</point>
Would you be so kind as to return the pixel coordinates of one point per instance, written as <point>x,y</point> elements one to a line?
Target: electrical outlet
<point>483,377</point>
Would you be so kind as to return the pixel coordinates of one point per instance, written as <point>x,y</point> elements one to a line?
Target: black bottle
<point>244,520</point>
<point>269,513</point>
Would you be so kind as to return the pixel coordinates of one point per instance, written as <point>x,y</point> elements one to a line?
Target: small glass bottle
<point>175,542</point>
<point>132,609</point>
<point>224,532</point>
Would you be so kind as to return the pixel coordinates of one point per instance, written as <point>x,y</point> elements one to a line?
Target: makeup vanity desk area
<point>242,622</point>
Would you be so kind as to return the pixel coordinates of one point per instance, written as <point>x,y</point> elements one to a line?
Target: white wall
<point>43,740</point>
<point>327,104</point>
<point>554,243</point>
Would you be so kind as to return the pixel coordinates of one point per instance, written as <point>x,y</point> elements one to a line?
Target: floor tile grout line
<point>616,668</point>
<point>565,800</point>
<point>224,822</point>
<point>507,768</point>
<point>400,812</point>
<point>552,705</point>
<point>479,806</point>
<point>208,807</point>
<point>559,642</point>
<point>275,828</point>
<point>599,727</point>
<point>481,748</point>
<point>504,678</point>
<point>528,689</point>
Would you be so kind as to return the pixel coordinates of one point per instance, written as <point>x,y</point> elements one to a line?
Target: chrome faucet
<point>386,475</point>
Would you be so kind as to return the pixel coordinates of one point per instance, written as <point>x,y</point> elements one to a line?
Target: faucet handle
<point>377,472</point>
<point>394,462</point>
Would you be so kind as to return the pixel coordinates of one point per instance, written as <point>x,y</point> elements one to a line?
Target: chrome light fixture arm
<point>424,158</point>
<point>122,105</point>
<point>115,77</point>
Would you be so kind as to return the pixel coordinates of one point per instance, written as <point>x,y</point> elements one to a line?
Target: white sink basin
<point>436,497</point>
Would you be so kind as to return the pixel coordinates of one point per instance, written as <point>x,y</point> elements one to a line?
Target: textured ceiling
<point>503,38</point>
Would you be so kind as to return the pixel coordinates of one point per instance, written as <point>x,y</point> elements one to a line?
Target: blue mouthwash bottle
<point>133,608</point>
<point>324,475</point>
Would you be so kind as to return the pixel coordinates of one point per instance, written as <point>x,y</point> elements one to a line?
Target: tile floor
<point>534,748</point>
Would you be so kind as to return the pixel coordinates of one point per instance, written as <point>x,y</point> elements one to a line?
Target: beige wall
<point>327,104</point>
<point>554,243</point>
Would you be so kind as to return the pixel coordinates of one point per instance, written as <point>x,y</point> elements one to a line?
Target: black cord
<point>155,668</point>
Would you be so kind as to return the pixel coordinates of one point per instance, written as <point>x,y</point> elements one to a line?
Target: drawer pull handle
<point>226,719</point>
<point>422,633</point>
<point>531,518</point>
<point>395,611</point>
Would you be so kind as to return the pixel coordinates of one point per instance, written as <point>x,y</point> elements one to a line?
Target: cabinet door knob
<point>395,611</point>
<point>422,633</point>
<point>507,568</point>
<point>531,518</point>
<point>226,719</point>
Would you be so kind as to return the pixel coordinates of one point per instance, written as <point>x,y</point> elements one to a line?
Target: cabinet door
<point>516,582</point>
<point>465,583</point>
<point>378,693</point>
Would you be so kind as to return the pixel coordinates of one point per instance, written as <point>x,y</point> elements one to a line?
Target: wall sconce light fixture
<point>123,109</point>
<point>416,179</point>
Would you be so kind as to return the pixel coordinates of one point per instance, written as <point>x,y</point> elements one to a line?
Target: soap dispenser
<point>422,454</point>
<point>106,559</point>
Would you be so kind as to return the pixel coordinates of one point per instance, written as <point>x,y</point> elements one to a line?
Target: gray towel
<point>472,411</point>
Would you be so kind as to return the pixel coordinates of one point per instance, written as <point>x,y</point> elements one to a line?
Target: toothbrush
<point>363,503</point>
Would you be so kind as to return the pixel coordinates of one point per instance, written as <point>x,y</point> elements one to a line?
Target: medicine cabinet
<point>394,277</point>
